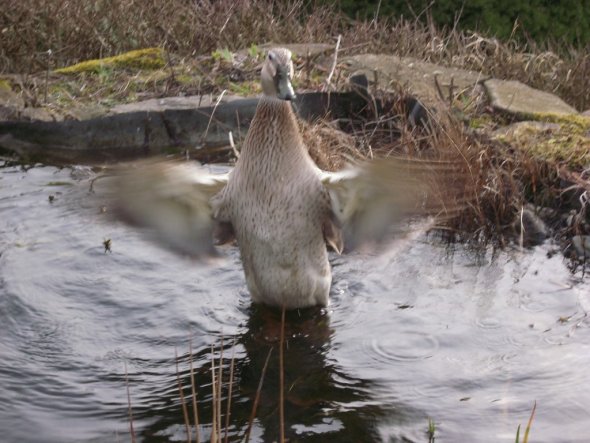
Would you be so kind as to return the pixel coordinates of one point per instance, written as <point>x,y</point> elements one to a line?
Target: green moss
<point>59,183</point>
<point>223,55</point>
<point>245,88</point>
<point>481,121</point>
<point>5,85</point>
<point>564,141</point>
<point>573,120</point>
<point>150,58</point>
<point>185,79</point>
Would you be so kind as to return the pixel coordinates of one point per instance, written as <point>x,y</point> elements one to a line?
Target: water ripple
<point>468,341</point>
<point>414,347</point>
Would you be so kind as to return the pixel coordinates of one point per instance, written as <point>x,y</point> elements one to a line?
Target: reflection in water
<point>320,399</point>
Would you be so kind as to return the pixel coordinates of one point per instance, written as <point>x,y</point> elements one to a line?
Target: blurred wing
<point>171,200</point>
<point>373,199</point>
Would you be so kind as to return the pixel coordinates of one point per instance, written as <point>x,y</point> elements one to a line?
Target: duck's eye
<point>270,57</point>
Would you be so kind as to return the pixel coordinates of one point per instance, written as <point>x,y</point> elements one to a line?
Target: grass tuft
<point>78,31</point>
<point>431,430</point>
<point>528,427</point>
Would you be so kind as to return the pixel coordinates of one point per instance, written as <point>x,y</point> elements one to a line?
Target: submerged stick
<point>230,389</point>
<point>183,402</point>
<point>214,398</point>
<point>131,430</point>
<point>219,385</point>
<point>257,398</point>
<point>282,380</point>
<point>194,393</point>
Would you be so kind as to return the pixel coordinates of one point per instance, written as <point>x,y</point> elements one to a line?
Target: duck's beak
<point>285,88</point>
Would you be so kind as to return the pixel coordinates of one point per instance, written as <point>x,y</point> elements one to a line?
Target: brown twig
<point>182,400</point>
<point>131,430</point>
<point>257,398</point>
<point>214,397</point>
<point>219,384</point>
<point>282,379</point>
<point>334,63</point>
<point>230,390</point>
<point>212,114</point>
<point>194,394</point>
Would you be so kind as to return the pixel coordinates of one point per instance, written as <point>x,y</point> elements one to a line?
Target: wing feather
<point>374,198</point>
<point>171,201</point>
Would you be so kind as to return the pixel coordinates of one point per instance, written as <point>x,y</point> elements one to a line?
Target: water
<point>470,342</point>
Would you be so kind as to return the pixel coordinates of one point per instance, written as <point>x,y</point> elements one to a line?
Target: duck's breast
<point>279,232</point>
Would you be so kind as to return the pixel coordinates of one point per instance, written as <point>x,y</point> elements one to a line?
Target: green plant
<point>528,427</point>
<point>254,51</point>
<point>223,55</point>
<point>431,430</point>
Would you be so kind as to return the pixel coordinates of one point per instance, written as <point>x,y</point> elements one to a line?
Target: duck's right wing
<point>374,198</point>
<point>170,201</point>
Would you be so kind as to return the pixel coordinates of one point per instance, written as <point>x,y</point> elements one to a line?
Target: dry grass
<point>76,31</point>
<point>490,182</point>
<point>221,383</point>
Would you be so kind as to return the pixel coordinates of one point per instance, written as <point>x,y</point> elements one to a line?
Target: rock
<point>84,112</point>
<point>11,103</point>
<point>416,76</point>
<point>519,129</point>
<point>303,49</point>
<point>582,245</point>
<point>531,228</point>
<point>359,81</point>
<point>518,99</point>
<point>39,114</point>
<point>576,220</point>
<point>155,128</point>
<point>9,98</point>
<point>172,103</point>
<point>9,113</point>
<point>125,135</point>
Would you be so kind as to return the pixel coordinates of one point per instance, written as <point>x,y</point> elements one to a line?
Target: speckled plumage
<point>278,206</point>
<point>282,209</point>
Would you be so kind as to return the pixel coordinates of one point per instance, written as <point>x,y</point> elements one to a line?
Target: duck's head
<point>277,73</point>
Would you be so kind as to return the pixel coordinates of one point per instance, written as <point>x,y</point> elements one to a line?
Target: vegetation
<point>150,58</point>
<point>431,431</point>
<point>68,32</point>
<point>528,427</point>
<point>528,20</point>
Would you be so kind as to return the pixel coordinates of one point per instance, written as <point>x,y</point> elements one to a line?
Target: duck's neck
<point>274,128</point>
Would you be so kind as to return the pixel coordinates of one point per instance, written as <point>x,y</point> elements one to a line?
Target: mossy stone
<point>149,58</point>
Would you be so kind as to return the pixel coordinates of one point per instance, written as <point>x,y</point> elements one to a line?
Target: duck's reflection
<point>321,402</point>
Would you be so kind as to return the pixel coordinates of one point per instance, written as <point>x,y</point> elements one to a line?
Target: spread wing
<point>171,201</point>
<point>374,198</point>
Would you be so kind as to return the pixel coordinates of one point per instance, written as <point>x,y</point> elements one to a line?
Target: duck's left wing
<point>374,198</point>
<point>171,201</point>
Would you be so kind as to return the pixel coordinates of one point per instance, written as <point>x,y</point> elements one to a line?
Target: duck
<point>285,214</point>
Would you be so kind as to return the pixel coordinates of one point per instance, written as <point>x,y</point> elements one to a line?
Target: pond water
<point>420,333</point>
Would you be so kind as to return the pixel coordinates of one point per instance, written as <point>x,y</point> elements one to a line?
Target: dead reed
<point>45,34</point>
<point>491,182</point>
<point>221,386</point>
